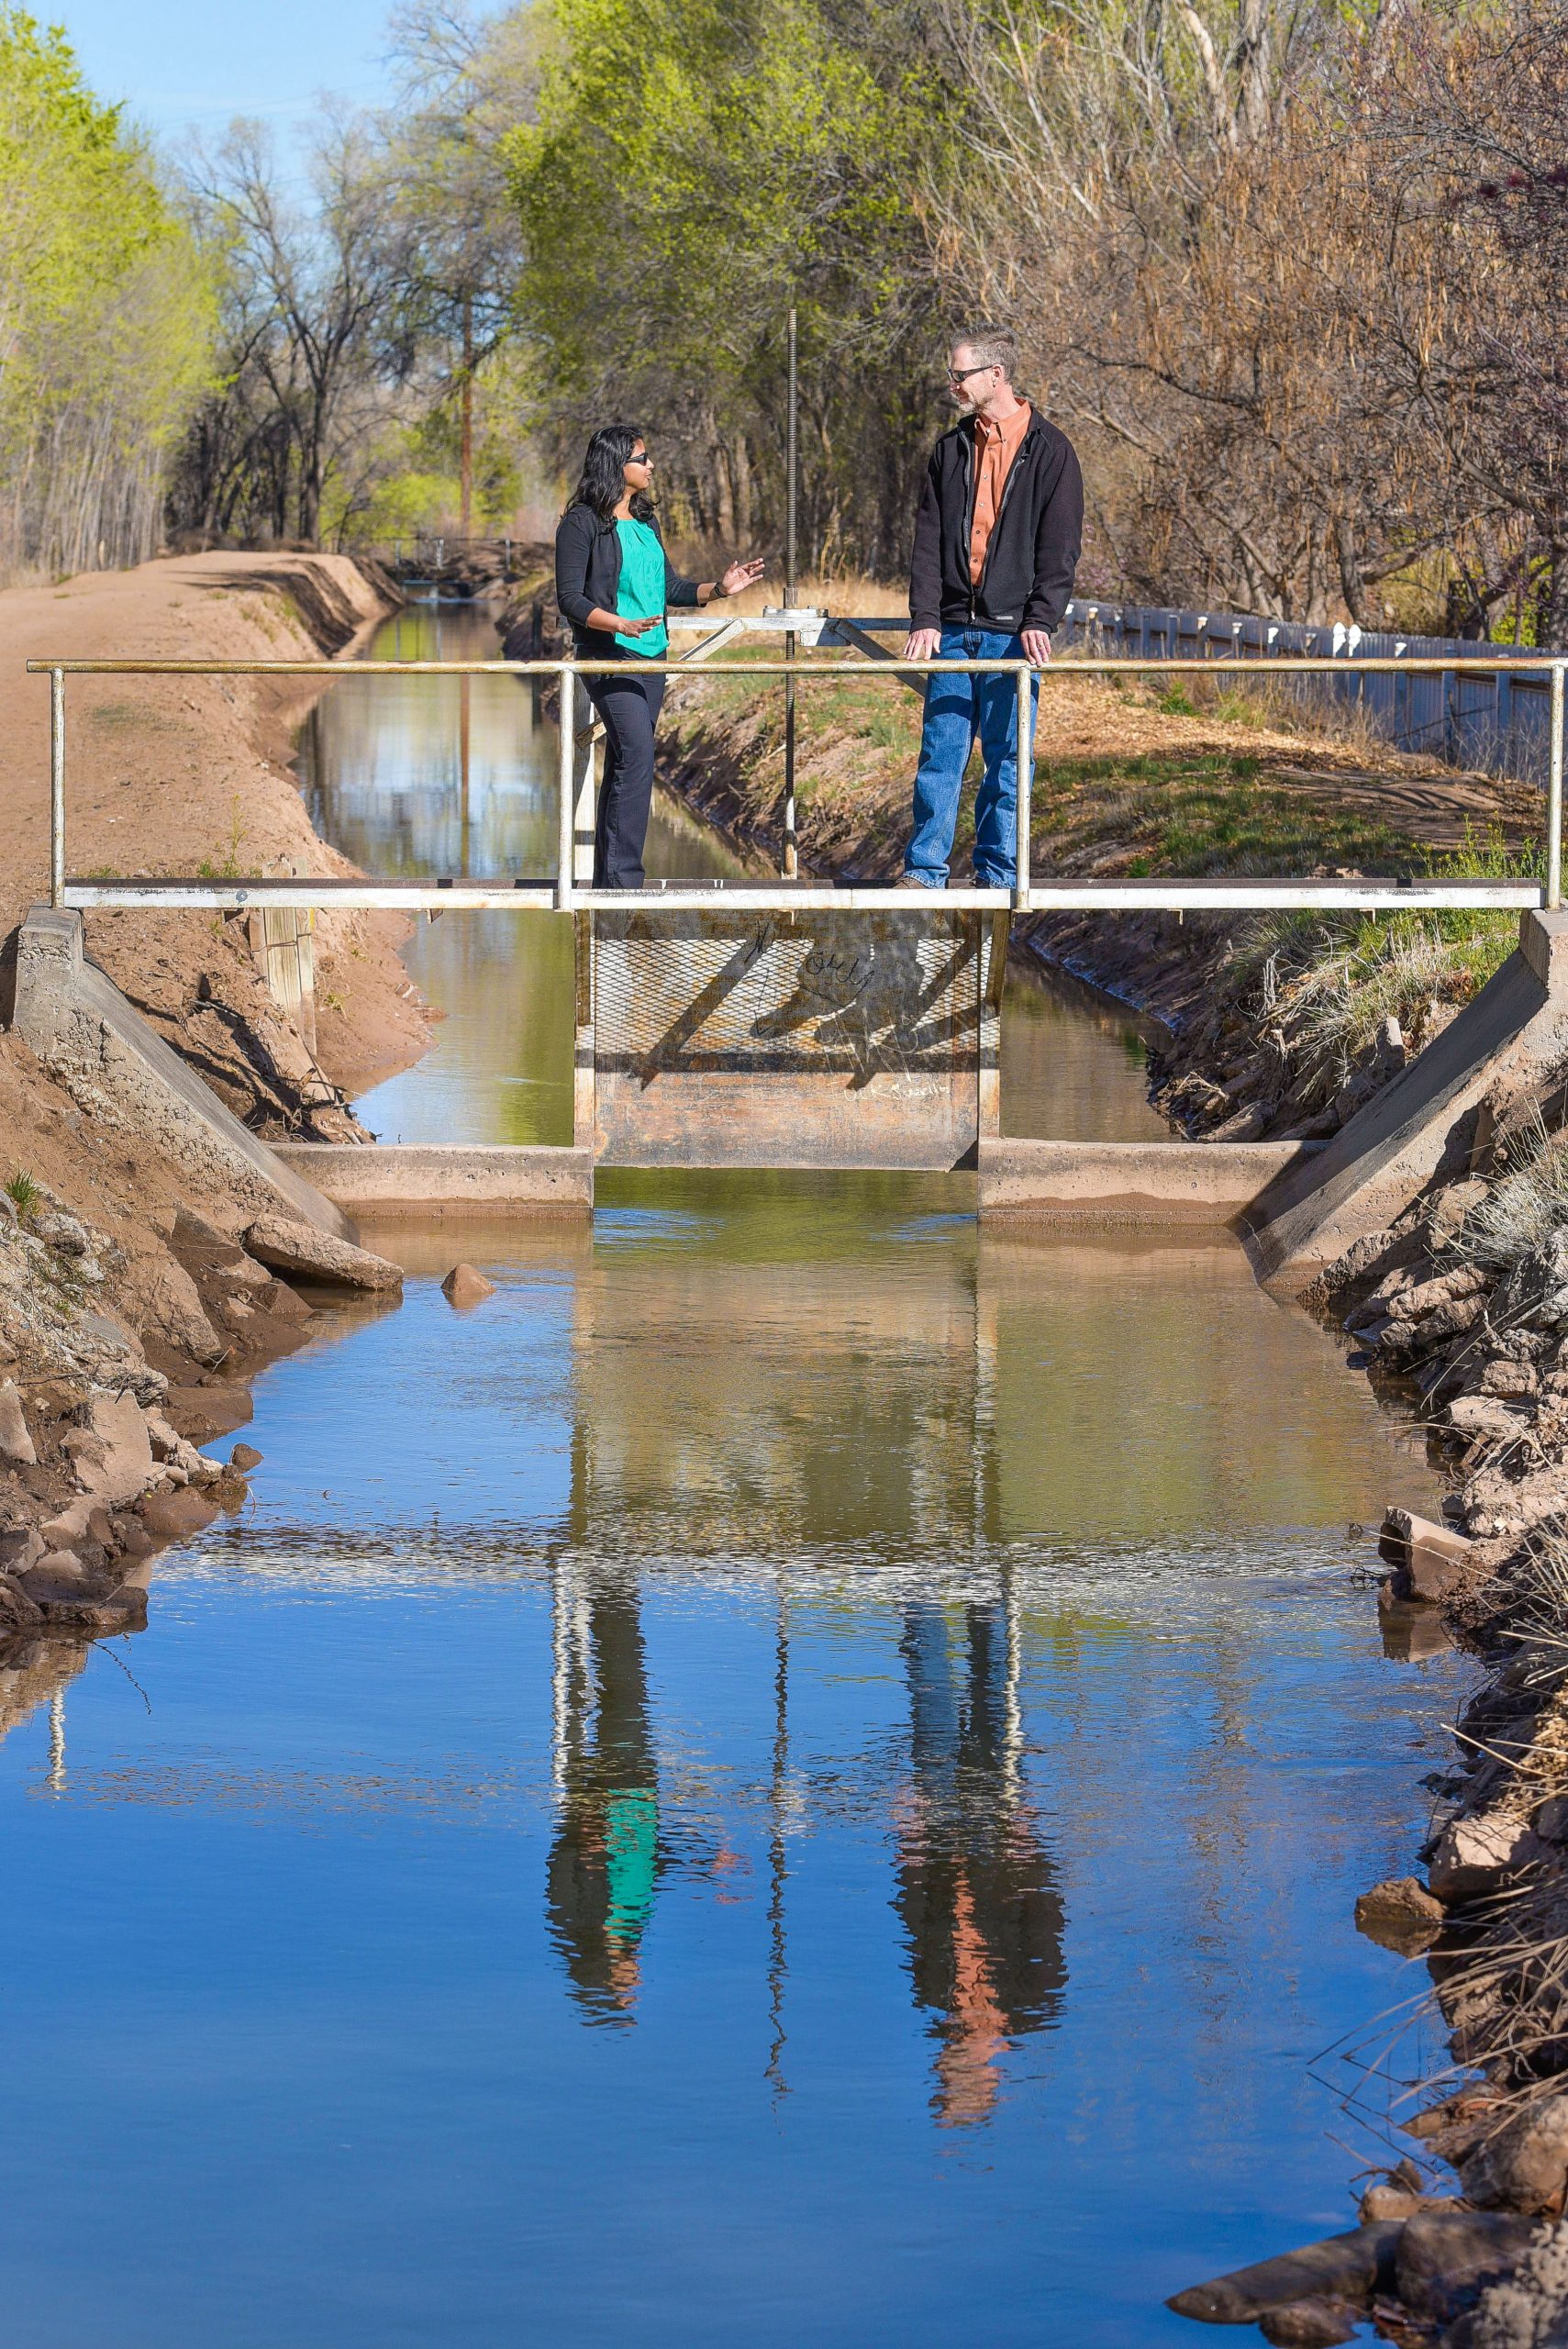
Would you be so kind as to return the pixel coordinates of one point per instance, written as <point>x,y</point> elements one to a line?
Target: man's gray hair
<point>991,346</point>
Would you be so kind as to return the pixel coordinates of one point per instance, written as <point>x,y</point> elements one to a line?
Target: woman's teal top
<point>640,595</point>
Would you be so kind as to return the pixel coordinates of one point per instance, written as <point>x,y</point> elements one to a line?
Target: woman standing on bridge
<point>614,583</point>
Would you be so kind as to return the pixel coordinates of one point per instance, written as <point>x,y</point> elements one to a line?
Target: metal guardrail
<point>571,889</point>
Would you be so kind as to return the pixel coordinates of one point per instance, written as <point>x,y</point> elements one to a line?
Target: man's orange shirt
<point>995,446</point>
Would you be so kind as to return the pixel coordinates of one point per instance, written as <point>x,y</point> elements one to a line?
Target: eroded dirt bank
<point>136,1297</point>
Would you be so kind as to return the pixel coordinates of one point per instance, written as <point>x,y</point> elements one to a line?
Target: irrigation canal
<point>799,1774</point>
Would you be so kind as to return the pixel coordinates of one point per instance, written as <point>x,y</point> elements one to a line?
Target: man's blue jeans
<point>957,710</point>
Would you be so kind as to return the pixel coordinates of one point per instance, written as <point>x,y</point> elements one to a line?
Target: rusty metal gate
<point>779,1038</point>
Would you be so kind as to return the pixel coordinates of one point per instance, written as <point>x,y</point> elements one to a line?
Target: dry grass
<point>1525,1209</point>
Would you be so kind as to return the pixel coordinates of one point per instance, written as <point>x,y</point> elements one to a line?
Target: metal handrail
<point>564,894</point>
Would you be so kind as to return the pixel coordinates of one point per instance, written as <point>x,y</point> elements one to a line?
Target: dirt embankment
<point>136,1298</point>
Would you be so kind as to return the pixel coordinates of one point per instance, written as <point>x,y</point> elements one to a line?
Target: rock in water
<point>201,1414</point>
<point>173,1517</point>
<point>1431,1559</point>
<point>1310,2324</point>
<point>1525,2166</point>
<point>302,1252</point>
<point>1399,1914</point>
<point>463,1285</point>
<point>1348,2267</point>
<point>244,1457</point>
<point>1445,2256</point>
<point>1473,1855</point>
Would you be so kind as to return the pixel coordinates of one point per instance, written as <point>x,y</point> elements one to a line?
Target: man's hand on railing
<point>921,643</point>
<point>1037,647</point>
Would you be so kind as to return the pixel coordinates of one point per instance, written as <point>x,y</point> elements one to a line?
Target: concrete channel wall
<point>1498,724</point>
<point>120,1069</point>
<point>410,1179</point>
<point>1132,1182</point>
<point>1510,1042</point>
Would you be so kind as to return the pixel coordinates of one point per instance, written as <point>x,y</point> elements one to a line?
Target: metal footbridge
<point>791,1022</point>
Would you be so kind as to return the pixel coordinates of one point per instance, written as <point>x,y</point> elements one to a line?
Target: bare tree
<point>318,326</point>
<point>468,81</point>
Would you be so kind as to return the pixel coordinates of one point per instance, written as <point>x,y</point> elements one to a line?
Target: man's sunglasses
<point>962,375</point>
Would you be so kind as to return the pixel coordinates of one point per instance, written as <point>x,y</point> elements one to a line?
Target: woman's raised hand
<point>741,575</point>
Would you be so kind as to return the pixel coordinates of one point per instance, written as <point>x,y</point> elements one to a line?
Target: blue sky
<point>190,64</point>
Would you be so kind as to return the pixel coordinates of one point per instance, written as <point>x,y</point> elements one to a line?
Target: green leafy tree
<point>694,168</point>
<point>106,316</point>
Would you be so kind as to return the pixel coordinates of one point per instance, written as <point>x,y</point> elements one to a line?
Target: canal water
<point>799,1774</point>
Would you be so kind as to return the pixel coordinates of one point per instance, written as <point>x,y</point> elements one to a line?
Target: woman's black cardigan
<point>587,575</point>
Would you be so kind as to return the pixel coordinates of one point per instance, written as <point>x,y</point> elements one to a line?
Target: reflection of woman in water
<point>604,1861</point>
<point>976,1890</point>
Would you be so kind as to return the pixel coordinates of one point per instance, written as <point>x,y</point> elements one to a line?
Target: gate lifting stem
<point>567,892</point>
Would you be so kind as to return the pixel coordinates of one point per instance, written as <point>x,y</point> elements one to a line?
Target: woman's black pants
<point>629,707</point>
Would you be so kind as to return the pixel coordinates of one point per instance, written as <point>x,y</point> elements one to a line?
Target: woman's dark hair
<point>603,482</point>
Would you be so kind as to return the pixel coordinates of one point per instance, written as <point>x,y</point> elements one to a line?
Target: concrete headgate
<point>776,1039</point>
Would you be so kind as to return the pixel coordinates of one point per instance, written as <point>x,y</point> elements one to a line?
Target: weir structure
<point>797,1022</point>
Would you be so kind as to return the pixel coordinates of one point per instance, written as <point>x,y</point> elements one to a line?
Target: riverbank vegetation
<point>1290,273</point>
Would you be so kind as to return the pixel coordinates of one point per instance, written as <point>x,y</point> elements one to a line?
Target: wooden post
<point>283,943</point>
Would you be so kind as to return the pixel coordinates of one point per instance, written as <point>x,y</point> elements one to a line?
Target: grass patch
<point>1527,1207</point>
<point>23,1193</point>
<point>1198,815</point>
<point>1335,980</point>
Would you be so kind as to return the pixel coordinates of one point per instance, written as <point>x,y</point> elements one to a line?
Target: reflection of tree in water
<point>976,1889</point>
<point>604,1859</point>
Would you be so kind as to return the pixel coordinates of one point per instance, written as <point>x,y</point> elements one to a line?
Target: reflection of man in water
<point>976,1891</point>
<point>605,1858</point>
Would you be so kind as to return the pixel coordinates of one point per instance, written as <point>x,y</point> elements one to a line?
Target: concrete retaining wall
<point>389,1179</point>
<point>1132,1181</point>
<point>120,1071</point>
<point>1420,1130</point>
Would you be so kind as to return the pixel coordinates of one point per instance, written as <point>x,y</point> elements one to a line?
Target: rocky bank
<point>137,1296</point>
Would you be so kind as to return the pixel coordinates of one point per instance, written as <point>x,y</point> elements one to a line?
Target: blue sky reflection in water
<point>799,1774</point>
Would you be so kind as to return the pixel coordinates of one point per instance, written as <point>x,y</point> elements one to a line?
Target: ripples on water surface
<point>799,1774</point>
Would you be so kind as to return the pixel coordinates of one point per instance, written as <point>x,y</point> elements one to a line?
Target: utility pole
<point>791,863</point>
<point>466,460</point>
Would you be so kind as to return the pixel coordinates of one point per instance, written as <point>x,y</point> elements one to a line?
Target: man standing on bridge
<point>996,541</point>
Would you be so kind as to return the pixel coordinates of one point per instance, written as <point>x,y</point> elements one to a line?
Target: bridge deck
<point>534,894</point>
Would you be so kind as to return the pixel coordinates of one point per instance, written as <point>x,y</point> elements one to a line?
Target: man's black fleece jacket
<point>1034,542</point>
